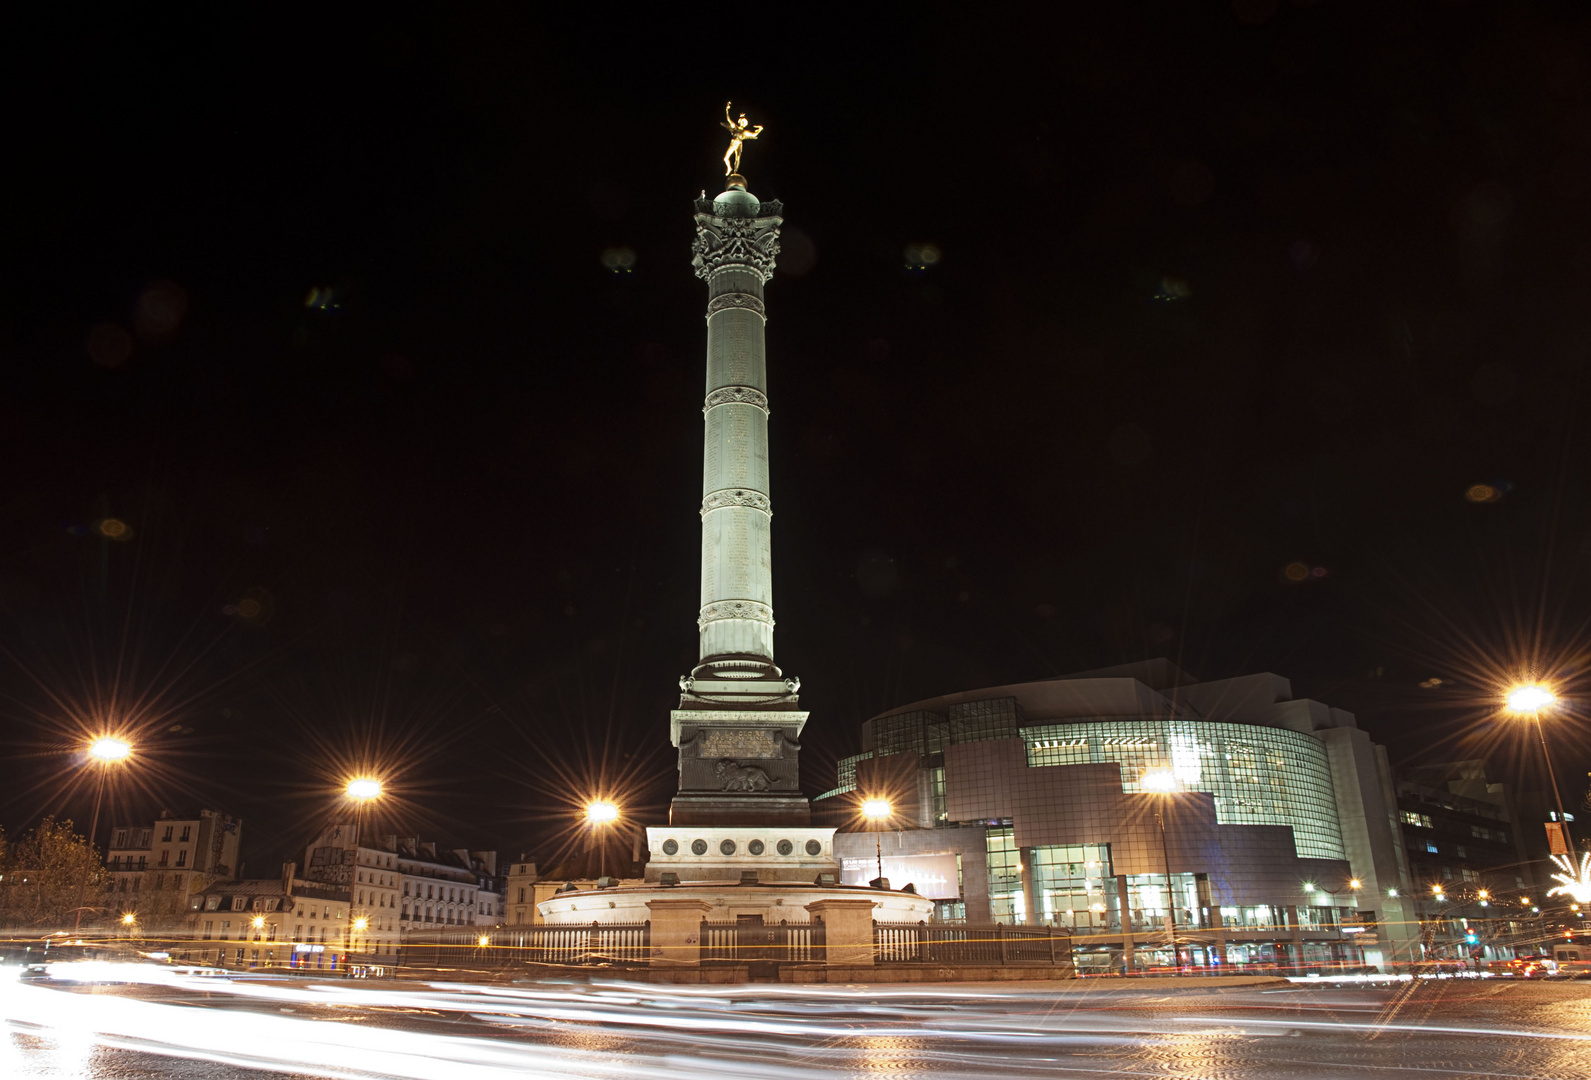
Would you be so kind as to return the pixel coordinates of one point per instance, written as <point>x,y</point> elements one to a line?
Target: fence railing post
<point>999,937</point>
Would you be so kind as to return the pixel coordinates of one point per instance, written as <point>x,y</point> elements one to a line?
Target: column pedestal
<point>847,931</point>
<point>676,933</point>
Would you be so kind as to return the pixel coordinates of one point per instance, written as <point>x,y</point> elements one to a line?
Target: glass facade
<point>1006,902</point>
<point>1073,886</point>
<point>991,718</point>
<point>1146,901</point>
<point>1258,775</point>
<point>936,793</point>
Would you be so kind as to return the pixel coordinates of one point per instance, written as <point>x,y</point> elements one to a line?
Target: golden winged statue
<point>740,131</point>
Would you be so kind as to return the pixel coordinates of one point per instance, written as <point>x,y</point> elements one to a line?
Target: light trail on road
<point>611,1029</point>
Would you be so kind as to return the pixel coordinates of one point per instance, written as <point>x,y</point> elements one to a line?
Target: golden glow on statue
<point>739,132</point>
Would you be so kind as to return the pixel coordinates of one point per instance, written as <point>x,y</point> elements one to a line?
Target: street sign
<point>1557,843</point>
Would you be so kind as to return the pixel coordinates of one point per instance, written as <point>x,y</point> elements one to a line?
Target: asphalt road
<point>215,1029</point>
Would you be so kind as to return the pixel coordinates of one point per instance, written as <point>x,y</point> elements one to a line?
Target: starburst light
<point>1576,885</point>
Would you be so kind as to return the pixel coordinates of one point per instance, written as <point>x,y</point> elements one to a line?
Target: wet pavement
<point>167,1025</point>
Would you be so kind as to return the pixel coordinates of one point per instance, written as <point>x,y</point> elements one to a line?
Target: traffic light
<point>1471,938</point>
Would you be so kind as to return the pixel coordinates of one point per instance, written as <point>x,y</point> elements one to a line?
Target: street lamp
<point>600,812</point>
<point>105,751</point>
<point>1164,783</point>
<point>362,790</point>
<point>878,811</point>
<point>1531,699</point>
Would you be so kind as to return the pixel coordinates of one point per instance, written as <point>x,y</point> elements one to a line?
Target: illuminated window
<point>1257,775</point>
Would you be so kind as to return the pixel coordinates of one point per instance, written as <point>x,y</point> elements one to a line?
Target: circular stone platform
<point>777,902</point>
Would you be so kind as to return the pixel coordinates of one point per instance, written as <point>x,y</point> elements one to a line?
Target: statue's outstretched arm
<point>726,112</point>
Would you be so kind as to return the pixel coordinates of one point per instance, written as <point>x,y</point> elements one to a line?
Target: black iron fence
<point>598,943</point>
<point>747,941</point>
<point>938,944</point>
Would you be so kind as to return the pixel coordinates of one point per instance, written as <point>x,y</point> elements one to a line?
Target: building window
<point>226,928</point>
<point>121,838</point>
<point>182,857</point>
<point>1430,848</point>
<point>1006,903</point>
<point>143,861</point>
<point>186,831</point>
<point>1422,820</point>
<point>166,838</point>
<point>209,929</point>
<point>1073,886</point>
<point>239,903</point>
<point>1257,775</point>
<point>165,856</point>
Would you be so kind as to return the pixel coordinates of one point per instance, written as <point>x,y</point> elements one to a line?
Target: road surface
<point>163,1024</point>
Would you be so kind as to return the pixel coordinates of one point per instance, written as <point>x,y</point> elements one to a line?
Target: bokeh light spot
<point>109,346</point>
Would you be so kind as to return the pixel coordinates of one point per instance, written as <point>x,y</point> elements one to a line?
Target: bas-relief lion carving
<point>734,776</point>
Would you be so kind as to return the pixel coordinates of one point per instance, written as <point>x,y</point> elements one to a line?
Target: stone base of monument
<point>715,931</point>
<point>731,904</point>
<point>714,808</point>
<point>800,853</point>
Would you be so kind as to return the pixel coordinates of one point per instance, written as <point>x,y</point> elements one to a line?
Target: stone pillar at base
<point>847,931</point>
<point>677,931</point>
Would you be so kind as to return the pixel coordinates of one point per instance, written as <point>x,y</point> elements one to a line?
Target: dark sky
<point>318,310</point>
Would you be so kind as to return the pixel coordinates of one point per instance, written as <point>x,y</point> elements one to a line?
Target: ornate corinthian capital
<point>736,395</point>
<point>752,243</point>
<point>735,609</point>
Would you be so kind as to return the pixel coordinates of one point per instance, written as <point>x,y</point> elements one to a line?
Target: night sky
<point>316,316</point>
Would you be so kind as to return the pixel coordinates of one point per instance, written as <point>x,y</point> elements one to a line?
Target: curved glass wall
<point>1258,775</point>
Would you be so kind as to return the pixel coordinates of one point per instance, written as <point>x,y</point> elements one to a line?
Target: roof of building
<point>1153,688</point>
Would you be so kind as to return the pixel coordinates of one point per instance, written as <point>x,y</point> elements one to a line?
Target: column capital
<point>736,243</point>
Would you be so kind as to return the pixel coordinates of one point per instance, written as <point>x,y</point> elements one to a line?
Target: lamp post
<point>601,812</point>
<point>1532,699</point>
<point>876,811</point>
<point>106,750</point>
<point>1163,783</point>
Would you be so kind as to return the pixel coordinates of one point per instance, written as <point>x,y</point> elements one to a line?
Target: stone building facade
<point>157,869</point>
